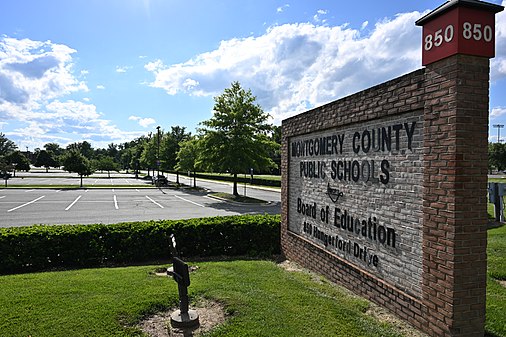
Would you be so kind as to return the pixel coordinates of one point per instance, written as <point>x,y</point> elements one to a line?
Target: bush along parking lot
<point>43,247</point>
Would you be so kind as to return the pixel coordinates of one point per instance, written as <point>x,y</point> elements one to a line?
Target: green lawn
<point>496,294</point>
<point>262,299</point>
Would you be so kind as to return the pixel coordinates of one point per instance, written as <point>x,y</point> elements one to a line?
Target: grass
<point>262,299</point>
<point>496,293</point>
<point>237,198</point>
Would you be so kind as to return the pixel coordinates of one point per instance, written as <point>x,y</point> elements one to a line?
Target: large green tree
<point>236,138</point>
<point>106,163</point>
<point>74,161</point>
<point>169,146</point>
<point>46,159</point>
<point>83,147</point>
<point>7,146</point>
<point>187,157</point>
<point>18,161</point>
<point>149,152</point>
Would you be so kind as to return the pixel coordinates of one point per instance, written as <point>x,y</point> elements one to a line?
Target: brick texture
<point>451,96</point>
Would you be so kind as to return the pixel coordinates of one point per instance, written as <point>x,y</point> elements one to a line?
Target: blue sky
<point>107,71</point>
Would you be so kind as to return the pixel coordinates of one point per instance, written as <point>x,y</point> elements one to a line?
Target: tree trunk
<point>194,179</point>
<point>235,185</point>
<point>81,180</point>
<point>47,169</point>
<point>177,177</point>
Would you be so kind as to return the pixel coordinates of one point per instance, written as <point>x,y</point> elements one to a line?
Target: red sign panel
<point>461,30</point>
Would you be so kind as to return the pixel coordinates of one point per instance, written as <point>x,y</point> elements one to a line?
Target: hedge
<point>46,247</point>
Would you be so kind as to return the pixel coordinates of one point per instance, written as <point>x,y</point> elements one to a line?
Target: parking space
<point>76,181</point>
<point>19,207</point>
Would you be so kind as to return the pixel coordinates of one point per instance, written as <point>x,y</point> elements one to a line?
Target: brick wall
<point>438,208</point>
<point>455,199</point>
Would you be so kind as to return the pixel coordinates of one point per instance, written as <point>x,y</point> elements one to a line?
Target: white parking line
<point>3,196</point>
<point>72,204</point>
<point>28,203</point>
<point>154,202</point>
<point>57,191</point>
<point>189,201</point>
<point>137,190</point>
<point>115,202</point>
<point>29,191</point>
<point>128,182</point>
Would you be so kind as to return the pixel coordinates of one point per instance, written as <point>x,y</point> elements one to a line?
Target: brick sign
<point>384,191</point>
<point>355,191</point>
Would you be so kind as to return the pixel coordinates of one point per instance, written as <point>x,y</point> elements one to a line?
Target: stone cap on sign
<point>476,4</point>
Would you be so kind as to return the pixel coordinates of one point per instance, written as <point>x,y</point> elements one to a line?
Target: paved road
<point>19,207</point>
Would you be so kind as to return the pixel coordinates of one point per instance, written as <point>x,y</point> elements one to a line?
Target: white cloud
<point>34,72</point>
<point>154,66</point>
<point>122,69</point>
<point>317,17</point>
<point>100,87</point>
<point>498,64</point>
<point>144,122</point>
<point>294,67</point>
<point>364,25</point>
<point>282,8</point>
<point>35,78</point>
<point>497,112</point>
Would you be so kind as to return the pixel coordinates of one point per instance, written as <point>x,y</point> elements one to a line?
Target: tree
<point>74,161</point>
<point>235,139</point>
<point>55,151</point>
<point>106,164</point>
<point>169,148</point>
<point>46,159</point>
<point>4,169</point>
<point>7,146</point>
<point>112,151</point>
<point>126,158</point>
<point>83,147</point>
<point>18,161</point>
<point>497,156</point>
<point>187,157</point>
<point>275,153</point>
<point>148,156</point>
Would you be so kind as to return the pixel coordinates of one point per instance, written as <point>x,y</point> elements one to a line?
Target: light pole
<point>158,152</point>
<point>499,127</point>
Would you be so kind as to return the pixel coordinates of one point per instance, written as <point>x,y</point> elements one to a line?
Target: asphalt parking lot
<point>107,204</point>
<point>85,206</point>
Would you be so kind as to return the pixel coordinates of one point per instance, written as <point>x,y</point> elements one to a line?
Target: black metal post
<point>183,298</point>
<point>158,152</point>
<point>497,202</point>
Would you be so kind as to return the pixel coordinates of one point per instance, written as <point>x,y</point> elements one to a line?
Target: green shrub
<point>43,247</point>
